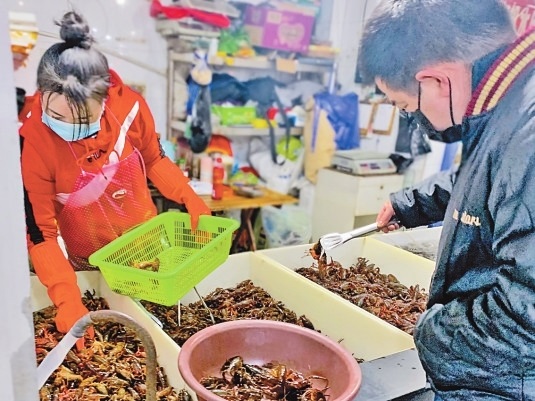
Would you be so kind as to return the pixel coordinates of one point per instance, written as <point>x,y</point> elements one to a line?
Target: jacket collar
<point>502,73</point>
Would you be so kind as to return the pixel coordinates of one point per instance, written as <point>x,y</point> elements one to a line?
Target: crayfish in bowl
<point>240,381</point>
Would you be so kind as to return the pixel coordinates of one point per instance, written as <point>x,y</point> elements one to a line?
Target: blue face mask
<point>70,132</point>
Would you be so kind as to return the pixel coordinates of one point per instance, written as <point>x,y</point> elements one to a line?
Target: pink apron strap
<point>125,127</point>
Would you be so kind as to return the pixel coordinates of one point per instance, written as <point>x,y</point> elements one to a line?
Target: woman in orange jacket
<point>88,146</point>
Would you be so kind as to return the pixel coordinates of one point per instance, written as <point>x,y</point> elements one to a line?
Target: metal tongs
<point>331,241</point>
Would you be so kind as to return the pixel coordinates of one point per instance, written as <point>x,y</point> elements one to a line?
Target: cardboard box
<point>278,29</point>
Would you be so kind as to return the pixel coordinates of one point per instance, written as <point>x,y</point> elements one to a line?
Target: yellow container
<point>359,332</point>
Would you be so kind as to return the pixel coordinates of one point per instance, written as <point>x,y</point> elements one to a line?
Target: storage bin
<point>93,280</point>
<point>235,115</point>
<point>408,268</point>
<point>421,241</point>
<point>361,333</point>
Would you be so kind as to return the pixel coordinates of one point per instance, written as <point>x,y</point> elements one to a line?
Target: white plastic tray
<point>417,241</point>
<point>361,333</point>
<point>409,269</point>
<point>93,280</point>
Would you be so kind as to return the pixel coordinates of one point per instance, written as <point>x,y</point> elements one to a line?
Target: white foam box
<point>93,280</point>
<point>408,268</point>
<point>417,240</point>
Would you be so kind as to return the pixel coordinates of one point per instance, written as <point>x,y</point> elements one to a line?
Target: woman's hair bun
<point>75,31</point>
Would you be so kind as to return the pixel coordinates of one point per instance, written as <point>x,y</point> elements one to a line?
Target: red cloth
<point>177,12</point>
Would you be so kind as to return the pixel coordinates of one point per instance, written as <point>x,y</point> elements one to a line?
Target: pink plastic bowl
<point>263,341</point>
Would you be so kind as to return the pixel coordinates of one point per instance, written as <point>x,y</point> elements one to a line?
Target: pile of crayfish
<point>240,381</point>
<point>111,367</point>
<point>245,301</point>
<point>364,285</point>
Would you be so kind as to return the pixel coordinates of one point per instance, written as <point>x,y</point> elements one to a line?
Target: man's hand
<point>385,216</point>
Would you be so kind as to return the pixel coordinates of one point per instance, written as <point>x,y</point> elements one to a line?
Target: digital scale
<point>362,162</point>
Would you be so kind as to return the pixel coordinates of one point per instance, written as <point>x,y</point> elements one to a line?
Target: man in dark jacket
<point>458,66</point>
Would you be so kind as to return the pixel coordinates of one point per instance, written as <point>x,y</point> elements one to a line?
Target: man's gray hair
<point>403,36</point>
<point>73,67</point>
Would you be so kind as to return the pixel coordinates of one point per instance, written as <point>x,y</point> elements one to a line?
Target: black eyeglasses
<point>407,114</point>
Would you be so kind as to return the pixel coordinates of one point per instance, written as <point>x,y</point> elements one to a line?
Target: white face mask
<point>71,132</point>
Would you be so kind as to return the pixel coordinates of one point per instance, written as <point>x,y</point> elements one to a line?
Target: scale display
<point>360,162</point>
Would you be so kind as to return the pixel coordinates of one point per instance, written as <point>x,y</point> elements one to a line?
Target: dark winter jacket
<point>477,339</point>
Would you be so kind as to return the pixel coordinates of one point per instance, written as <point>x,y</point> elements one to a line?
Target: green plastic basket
<point>236,115</point>
<point>185,256</point>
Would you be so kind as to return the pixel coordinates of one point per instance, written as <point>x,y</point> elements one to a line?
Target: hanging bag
<point>262,90</point>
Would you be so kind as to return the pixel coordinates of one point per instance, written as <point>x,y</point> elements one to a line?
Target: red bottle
<point>217,179</point>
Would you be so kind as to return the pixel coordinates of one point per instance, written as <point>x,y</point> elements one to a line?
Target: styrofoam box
<point>418,240</point>
<point>93,280</point>
<point>408,268</point>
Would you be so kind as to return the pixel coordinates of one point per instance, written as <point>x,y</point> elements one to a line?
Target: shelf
<point>260,63</point>
<point>240,131</point>
<point>181,60</point>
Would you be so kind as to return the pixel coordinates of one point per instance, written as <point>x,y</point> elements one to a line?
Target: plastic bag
<point>342,114</point>
<point>331,124</point>
<point>200,130</point>
<point>226,88</point>
<point>262,90</point>
<point>287,225</point>
<point>280,176</point>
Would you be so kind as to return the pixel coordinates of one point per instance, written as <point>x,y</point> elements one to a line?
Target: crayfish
<point>152,265</point>
<point>365,286</point>
<point>271,381</point>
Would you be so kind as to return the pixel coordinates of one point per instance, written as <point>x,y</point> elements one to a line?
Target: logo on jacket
<point>466,218</point>
<point>119,194</point>
<point>95,155</point>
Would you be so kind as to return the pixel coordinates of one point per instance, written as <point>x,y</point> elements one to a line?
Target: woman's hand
<point>68,314</point>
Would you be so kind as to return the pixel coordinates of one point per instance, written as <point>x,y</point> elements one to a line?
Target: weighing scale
<point>362,162</point>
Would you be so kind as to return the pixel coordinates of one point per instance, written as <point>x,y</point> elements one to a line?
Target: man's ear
<point>435,79</point>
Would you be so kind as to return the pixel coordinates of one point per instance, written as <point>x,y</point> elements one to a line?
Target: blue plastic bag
<point>342,113</point>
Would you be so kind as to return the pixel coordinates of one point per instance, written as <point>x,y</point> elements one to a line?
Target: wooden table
<point>233,201</point>
<point>249,210</point>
